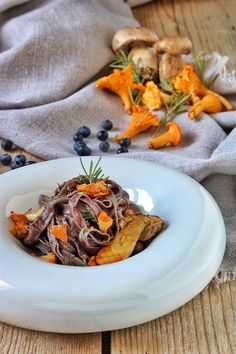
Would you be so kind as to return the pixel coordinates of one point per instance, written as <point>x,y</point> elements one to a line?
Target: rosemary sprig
<point>94,174</point>
<point>168,87</point>
<point>135,100</point>
<point>175,106</point>
<point>89,214</point>
<point>122,61</point>
<point>200,65</point>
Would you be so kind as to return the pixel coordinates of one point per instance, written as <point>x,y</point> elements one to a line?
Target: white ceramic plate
<point>175,267</point>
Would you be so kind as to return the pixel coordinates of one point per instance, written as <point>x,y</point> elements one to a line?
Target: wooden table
<point>207,323</point>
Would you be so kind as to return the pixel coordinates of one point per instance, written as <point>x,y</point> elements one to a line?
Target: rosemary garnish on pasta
<point>94,174</point>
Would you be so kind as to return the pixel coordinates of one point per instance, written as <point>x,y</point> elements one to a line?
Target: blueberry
<point>78,145</point>
<point>16,164</point>
<point>106,124</point>
<point>21,159</point>
<point>122,149</point>
<point>5,159</point>
<point>6,144</point>
<point>125,142</point>
<point>104,146</point>
<point>84,131</point>
<point>82,149</point>
<point>102,135</point>
<point>29,162</point>
<point>78,137</point>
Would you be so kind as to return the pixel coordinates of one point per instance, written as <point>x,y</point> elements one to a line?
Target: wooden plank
<point>210,24</point>
<point>15,340</point>
<point>207,324</point>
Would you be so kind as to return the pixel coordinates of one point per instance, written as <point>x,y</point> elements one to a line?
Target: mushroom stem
<point>146,60</point>
<point>171,63</point>
<point>209,104</point>
<point>172,136</point>
<point>170,66</point>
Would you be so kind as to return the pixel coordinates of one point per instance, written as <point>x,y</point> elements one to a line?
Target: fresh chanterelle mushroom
<point>138,43</point>
<point>172,47</point>
<point>172,136</point>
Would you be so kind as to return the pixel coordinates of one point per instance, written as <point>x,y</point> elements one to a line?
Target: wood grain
<point>210,24</point>
<point>15,151</point>
<point>207,324</point>
<point>15,340</point>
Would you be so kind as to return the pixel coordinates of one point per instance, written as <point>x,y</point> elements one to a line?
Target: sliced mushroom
<point>137,42</point>
<point>154,225</point>
<point>170,66</point>
<point>171,62</point>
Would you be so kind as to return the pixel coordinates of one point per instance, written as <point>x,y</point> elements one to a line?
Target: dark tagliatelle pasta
<point>82,219</point>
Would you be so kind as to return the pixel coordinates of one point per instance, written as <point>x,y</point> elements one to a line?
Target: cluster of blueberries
<point>83,132</point>
<point>6,159</point>
<point>80,146</point>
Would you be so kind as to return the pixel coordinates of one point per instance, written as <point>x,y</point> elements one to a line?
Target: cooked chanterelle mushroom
<point>172,47</point>
<point>138,43</point>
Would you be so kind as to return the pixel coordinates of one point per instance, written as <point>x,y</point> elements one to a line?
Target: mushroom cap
<point>175,133</point>
<point>127,37</point>
<point>174,45</point>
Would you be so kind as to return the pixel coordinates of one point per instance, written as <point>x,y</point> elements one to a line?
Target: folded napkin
<point>7,4</point>
<point>50,49</point>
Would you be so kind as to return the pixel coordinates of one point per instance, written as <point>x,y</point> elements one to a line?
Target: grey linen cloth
<point>50,49</point>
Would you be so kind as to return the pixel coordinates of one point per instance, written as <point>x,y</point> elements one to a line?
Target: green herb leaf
<point>122,61</point>
<point>167,86</point>
<point>200,65</point>
<point>89,214</point>
<point>131,96</point>
<point>137,100</point>
<point>175,106</point>
<point>95,173</point>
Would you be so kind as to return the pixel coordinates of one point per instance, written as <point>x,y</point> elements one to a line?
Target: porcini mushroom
<point>173,136</point>
<point>147,62</point>
<point>138,43</point>
<point>169,67</point>
<point>171,62</point>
